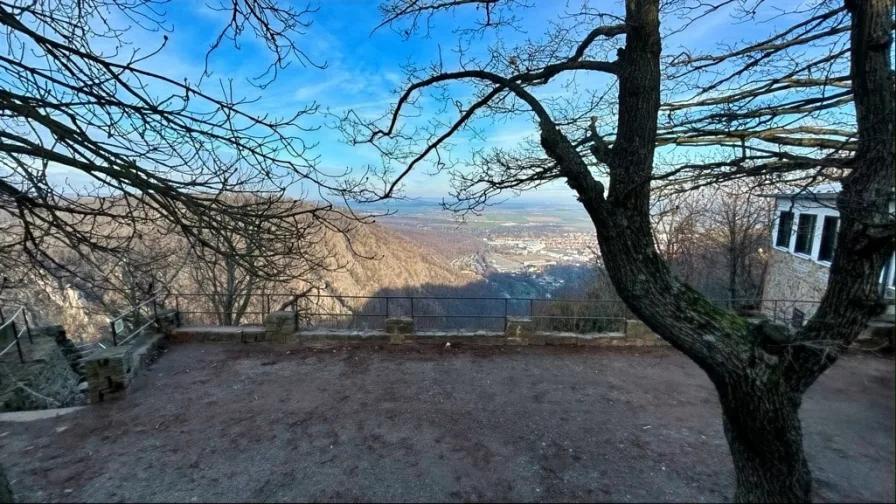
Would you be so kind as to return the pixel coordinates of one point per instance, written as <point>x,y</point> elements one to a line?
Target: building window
<point>805,234</point>
<point>797,318</point>
<point>785,227</point>
<point>828,238</point>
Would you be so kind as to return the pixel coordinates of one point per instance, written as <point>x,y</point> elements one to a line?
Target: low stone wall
<point>279,326</point>
<point>232,334</point>
<point>109,372</point>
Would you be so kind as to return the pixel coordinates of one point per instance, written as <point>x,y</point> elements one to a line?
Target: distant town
<point>542,246</point>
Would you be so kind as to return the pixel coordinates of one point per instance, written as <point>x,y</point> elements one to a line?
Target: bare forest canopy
<point>776,111</point>
<point>185,174</point>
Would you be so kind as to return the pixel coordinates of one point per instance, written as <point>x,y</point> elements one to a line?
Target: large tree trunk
<point>762,425</point>
<point>760,371</point>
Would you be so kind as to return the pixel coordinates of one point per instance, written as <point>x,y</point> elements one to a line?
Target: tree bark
<point>762,425</point>
<point>759,392</point>
<point>760,371</point>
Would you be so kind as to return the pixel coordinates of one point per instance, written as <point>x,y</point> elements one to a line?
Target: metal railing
<point>433,313</point>
<point>194,307</point>
<point>429,312</point>
<point>9,326</point>
<point>134,320</point>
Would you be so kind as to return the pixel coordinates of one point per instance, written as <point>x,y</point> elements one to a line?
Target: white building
<point>804,238</point>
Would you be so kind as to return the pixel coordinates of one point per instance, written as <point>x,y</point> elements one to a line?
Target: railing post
<point>27,326</point>
<point>775,312</point>
<point>412,311</point>
<point>15,334</point>
<point>531,314</point>
<point>136,311</point>
<point>387,306</point>
<point>114,334</point>
<point>155,313</point>
<point>295,314</point>
<point>506,301</point>
<point>177,310</point>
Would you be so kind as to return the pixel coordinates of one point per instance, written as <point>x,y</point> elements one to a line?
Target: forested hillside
<point>367,260</point>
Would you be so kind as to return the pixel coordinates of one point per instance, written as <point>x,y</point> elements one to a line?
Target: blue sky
<point>363,68</point>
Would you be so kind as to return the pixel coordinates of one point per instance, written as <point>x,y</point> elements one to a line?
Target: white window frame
<point>836,233</point>
<point>821,209</point>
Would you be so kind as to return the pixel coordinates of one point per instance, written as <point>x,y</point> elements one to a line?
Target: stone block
<point>167,320</point>
<point>399,325</point>
<point>637,330</point>
<point>560,339</point>
<point>537,339</point>
<point>109,372</point>
<point>374,337</point>
<point>599,339</point>
<point>279,326</point>
<point>489,339</point>
<point>251,334</point>
<point>515,341</point>
<point>278,337</point>
<point>435,338</point>
<point>519,327</point>
<point>319,341</point>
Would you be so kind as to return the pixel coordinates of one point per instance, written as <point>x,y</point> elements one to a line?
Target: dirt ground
<point>270,423</point>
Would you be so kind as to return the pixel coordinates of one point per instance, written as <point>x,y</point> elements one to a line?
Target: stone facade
<point>790,278</point>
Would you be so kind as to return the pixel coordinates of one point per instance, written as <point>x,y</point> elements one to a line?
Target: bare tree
<point>679,228</point>
<point>156,152</point>
<point>707,231</point>
<point>298,261</point>
<point>740,223</point>
<point>810,98</point>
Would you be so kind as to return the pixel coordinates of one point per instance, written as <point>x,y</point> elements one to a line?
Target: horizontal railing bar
<point>156,294</point>
<point>312,297</point>
<point>214,312</point>
<point>12,318</point>
<point>136,331</point>
<point>8,347</point>
<point>561,317</point>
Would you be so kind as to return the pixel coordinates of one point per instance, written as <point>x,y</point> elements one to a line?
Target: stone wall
<point>279,328</point>
<point>109,372</point>
<point>792,278</point>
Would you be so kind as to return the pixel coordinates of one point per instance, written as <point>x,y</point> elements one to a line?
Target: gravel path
<point>266,423</point>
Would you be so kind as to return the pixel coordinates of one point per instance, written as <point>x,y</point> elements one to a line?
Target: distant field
<point>543,218</point>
